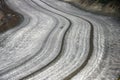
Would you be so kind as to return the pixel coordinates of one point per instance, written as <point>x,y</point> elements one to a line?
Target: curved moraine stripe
<point>57,41</point>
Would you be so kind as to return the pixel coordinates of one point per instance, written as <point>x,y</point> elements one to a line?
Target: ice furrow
<point>55,41</point>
